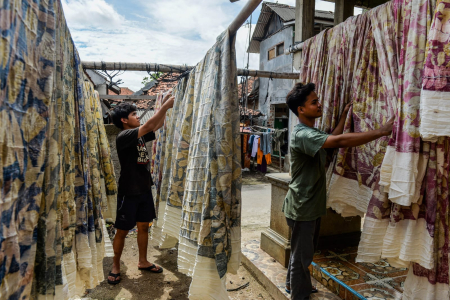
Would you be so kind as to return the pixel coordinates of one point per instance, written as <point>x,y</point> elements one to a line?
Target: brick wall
<point>271,117</point>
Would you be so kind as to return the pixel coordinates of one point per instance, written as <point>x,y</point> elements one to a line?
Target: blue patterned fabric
<point>53,159</point>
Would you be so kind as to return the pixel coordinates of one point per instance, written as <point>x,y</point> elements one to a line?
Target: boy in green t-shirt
<point>305,201</point>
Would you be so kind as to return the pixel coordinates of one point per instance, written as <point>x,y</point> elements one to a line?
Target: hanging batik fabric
<point>431,281</point>
<point>400,31</point>
<point>55,162</point>
<point>343,63</point>
<point>435,97</point>
<point>157,154</point>
<point>405,198</point>
<point>201,180</point>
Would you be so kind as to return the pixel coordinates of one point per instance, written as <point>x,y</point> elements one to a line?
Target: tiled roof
<point>152,88</point>
<point>123,91</point>
<point>250,112</point>
<point>250,83</point>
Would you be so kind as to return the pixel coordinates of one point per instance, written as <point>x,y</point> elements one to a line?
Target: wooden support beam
<point>98,65</point>
<point>304,19</point>
<point>343,9</point>
<point>304,26</point>
<point>127,97</point>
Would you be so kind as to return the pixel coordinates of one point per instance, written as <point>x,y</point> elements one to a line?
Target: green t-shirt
<point>307,195</point>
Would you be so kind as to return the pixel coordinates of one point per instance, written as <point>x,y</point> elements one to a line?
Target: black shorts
<point>132,209</point>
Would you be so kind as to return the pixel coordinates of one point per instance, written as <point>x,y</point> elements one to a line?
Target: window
<point>276,51</point>
<point>272,53</point>
<point>280,49</point>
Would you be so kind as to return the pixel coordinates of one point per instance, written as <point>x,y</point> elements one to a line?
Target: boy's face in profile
<point>312,107</point>
<point>132,121</point>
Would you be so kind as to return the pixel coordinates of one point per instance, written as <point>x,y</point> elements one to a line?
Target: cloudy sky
<point>169,31</point>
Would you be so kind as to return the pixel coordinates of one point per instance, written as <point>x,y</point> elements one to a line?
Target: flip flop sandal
<point>115,281</point>
<point>150,268</point>
<point>287,290</point>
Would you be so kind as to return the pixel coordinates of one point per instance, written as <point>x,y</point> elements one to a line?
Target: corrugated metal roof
<point>286,13</point>
<point>147,116</point>
<point>322,14</point>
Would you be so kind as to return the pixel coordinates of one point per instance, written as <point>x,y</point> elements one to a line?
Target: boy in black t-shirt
<point>135,205</point>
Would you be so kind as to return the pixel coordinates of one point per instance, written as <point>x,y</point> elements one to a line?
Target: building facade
<point>274,32</point>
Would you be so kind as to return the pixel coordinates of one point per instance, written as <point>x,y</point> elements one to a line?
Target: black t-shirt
<point>135,177</point>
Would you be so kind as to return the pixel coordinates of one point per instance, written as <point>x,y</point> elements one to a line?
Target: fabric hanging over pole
<point>154,67</point>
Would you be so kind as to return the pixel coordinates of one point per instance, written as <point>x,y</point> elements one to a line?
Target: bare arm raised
<point>340,127</point>
<point>155,122</point>
<point>356,139</point>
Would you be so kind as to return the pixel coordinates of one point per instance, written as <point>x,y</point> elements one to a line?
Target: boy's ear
<point>124,120</point>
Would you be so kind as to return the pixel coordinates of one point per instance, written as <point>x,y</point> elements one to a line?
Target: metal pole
<point>246,11</point>
<point>153,67</point>
<point>294,48</point>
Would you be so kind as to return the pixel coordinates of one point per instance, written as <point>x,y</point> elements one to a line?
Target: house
<point>248,95</point>
<point>101,83</point>
<point>273,33</point>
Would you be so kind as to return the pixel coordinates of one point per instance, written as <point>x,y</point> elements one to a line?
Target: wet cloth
<point>255,145</point>
<point>266,144</point>
<point>435,94</point>
<point>250,143</point>
<point>201,182</point>
<point>306,197</point>
<point>262,166</point>
<point>400,183</point>
<point>56,176</point>
<point>260,157</point>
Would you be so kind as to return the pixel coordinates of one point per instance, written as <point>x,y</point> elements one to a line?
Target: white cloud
<point>91,13</point>
<point>167,32</point>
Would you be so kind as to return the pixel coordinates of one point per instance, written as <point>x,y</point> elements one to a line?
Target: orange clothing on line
<point>247,160</point>
<point>260,154</point>
<point>244,148</point>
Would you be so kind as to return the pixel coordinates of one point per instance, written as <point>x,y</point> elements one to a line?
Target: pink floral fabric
<point>381,62</point>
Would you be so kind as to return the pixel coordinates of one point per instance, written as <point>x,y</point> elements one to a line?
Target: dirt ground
<point>253,177</point>
<point>171,284</point>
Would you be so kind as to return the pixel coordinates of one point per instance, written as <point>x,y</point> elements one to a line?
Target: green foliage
<point>147,79</point>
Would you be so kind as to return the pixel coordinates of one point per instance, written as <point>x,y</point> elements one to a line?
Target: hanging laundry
<point>56,174</point>
<point>401,183</point>
<point>201,179</point>
<point>255,146</point>
<point>349,50</point>
<point>435,94</point>
<point>266,144</point>
<point>250,144</point>
<point>404,164</point>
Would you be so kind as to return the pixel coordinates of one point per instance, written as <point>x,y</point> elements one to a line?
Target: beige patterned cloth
<point>201,182</point>
<point>56,175</point>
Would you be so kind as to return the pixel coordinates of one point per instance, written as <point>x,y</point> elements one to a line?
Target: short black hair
<point>297,96</point>
<point>122,111</point>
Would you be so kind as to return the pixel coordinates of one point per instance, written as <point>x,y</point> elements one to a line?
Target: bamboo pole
<point>153,67</point>
<point>243,15</point>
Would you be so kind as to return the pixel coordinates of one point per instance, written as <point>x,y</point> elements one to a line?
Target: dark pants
<point>305,235</point>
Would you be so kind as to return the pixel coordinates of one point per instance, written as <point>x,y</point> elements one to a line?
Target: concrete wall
<point>278,88</point>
